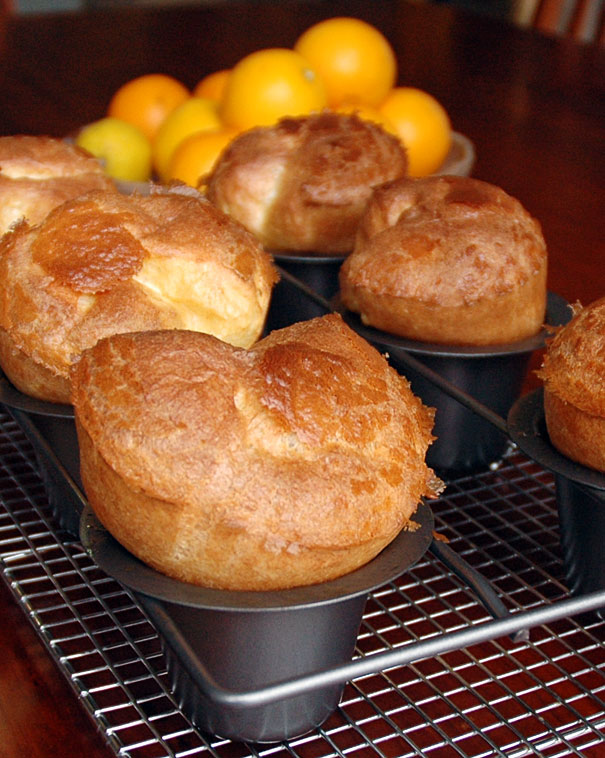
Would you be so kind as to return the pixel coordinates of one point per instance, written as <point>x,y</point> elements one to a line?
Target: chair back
<point>580,19</point>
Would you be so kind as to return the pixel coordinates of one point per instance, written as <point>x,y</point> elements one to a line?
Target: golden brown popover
<point>303,184</point>
<point>447,259</point>
<point>107,262</point>
<point>290,463</point>
<point>573,372</point>
<point>38,173</point>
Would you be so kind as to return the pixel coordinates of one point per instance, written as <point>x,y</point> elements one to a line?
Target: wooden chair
<point>579,19</point>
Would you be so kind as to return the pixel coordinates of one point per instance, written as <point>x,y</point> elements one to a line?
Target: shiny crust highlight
<point>290,463</point>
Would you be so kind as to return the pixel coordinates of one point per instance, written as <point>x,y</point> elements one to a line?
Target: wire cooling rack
<point>544,697</point>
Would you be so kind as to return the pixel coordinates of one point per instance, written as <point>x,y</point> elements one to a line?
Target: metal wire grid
<point>541,698</point>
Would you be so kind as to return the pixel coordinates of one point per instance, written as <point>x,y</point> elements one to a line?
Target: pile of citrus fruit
<point>155,126</point>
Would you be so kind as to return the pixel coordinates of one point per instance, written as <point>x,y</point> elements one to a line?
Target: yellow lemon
<point>194,115</point>
<point>122,147</point>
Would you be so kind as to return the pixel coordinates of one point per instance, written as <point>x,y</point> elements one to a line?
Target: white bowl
<point>461,157</point>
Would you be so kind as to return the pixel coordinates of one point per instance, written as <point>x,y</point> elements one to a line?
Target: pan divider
<point>514,625</point>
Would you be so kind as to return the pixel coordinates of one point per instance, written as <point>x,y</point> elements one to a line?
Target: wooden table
<point>533,106</point>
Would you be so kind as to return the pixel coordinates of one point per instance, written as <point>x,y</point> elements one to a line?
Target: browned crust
<point>303,184</point>
<point>574,363</point>
<point>105,262</point>
<point>38,173</point>
<point>223,557</point>
<point>292,462</point>
<point>30,377</point>
<point>513,316</point>
<point>450,260</point>
<point>573,371</point>
<point>575,433</point>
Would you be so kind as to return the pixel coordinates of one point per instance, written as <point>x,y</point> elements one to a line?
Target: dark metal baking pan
<point>261,647</point>
<point>13,398</point>
<point>210,701</point>
<point>51,430</point>
<point>527,428</point>
<point>558,312</point>
<point>55,446</point>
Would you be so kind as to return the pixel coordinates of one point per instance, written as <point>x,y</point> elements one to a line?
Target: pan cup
<point>239,649</point>
<point>50,428</point>
<point>579,492</point>
<point>289,303</point>
<point>582,526</point>
<point>491,377</point>
<point>232,656</point>
<point>465,441</point>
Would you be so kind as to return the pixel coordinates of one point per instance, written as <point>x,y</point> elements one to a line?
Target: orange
<point>196,114</point>
<point>367,113</point>
<point>355,61</point>
<point>195,157</point>
<point>212,86</point>
<point>269,84</point>
<point>423,126</point>
<point>147,100</point>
